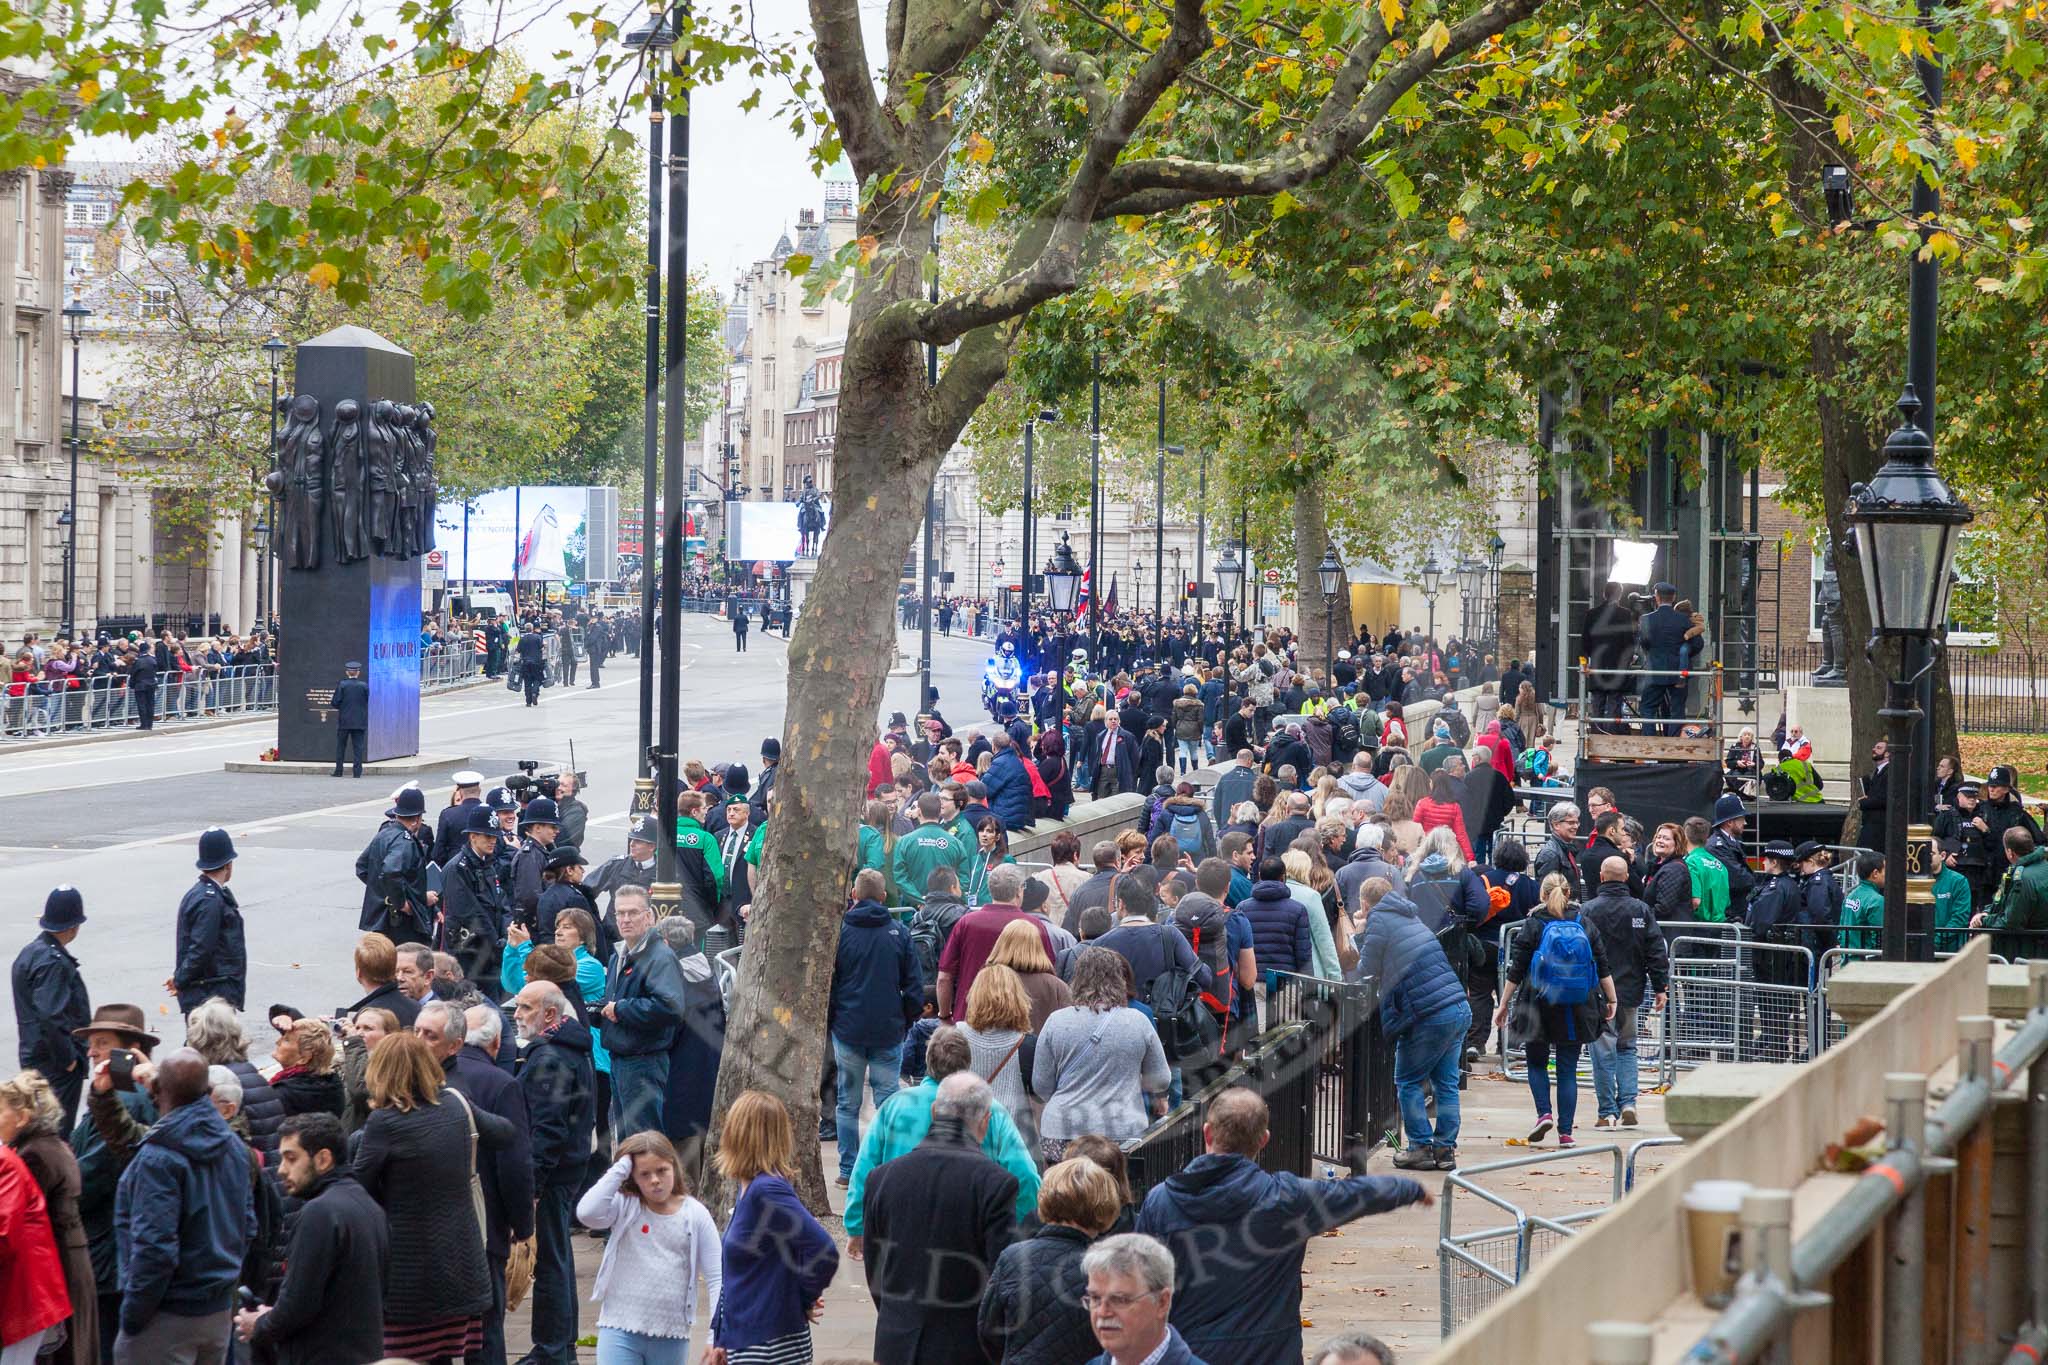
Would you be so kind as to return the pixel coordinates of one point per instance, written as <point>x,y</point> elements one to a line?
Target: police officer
<point>393,870</point>
<point>451,823</point>
<point>1820,896</point>
<point>597,645</point>
<point>634,868</point>
<point>474,907</point>
<point>50,1000</point>
<point>504,809</point>
<point>539,824</point>
<point>2001,810</point>
<point>351,716</point>
<point>212,958</point>
<point>532,669</point>
<point>1965,824</point>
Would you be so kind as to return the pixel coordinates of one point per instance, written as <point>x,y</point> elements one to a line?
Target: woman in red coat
<point>30,1120</point>
<point>32,1294</point>
<point>1440,809</point>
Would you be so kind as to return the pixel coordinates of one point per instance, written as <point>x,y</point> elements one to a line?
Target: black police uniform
<point>351,720</point>
<point>474,913</point>
<point>50,1001</point>
<point>448,826</point>
<point>532,670</point>
<point>212,957</point>
<point>393,871</point>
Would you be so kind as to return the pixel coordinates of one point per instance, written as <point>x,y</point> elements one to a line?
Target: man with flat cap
<point>450,823</point>
<point>212,958</point>
<point>393,871</point>
<point>351,716</point>
<point>50,1000</point>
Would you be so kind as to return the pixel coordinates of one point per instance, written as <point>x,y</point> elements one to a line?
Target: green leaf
<point>798,265</point>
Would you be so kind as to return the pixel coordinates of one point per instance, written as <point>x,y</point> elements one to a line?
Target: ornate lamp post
<point>1907,524</point>
<point>1229,575</point>
<point>1330,577</point>
<point>1062,578</point>
<point>1471,583</point>
<point>1432,584</point>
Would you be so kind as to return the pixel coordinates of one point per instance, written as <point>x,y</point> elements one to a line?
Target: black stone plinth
<point>368,610</point>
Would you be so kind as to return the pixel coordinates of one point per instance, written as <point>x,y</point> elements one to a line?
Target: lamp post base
<point>666,898</point>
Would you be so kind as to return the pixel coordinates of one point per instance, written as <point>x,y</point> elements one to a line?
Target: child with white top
<point>662,1242</point>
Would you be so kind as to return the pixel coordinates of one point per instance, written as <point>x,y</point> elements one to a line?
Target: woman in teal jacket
<point>575,930</point>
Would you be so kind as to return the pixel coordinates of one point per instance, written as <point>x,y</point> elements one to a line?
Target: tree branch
<point>1084,71</point>
<point>943,45</point>
<point>868,133</point>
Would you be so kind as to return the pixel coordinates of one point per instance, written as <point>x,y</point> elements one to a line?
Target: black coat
<point>351,704</point>
<point>1031,1313</point>
<point>263,1109</point>
<point>474,913</point>
<point>389,997</point>
<point>558,1081</point>
<point>393,870</point>
<point>1633,944</point>
<point>507,1173</point>
<point>330,1309</point>
<point>936,1219</point>
<point>310,1093</point>
<point>49,1002</point>
<point>415,1164</point>
<point>212,958</point>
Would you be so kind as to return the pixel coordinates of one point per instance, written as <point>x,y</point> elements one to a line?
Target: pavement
<point>1377,1275</point>
<point>120,819</point>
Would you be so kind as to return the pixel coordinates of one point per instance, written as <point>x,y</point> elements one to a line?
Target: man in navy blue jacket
<point>877,993</point>
<point>644,1006</point>
<point>560,1089</point>
<point>1237,1234</point>
<point>1009,786</point>
<point>1666,650</point>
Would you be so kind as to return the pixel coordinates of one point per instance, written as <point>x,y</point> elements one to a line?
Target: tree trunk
<point>1311,535</point>
<point>894,431</point>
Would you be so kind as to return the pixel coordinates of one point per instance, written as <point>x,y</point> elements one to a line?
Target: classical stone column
<point>142,554</point>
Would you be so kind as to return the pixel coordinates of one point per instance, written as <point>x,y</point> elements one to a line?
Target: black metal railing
<point>1995,690</point>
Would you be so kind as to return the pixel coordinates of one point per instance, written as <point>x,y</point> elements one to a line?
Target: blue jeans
<point>1567,1080</point>
<point>615,1346</point>
<point>1189,753</point>
<point>883,1067</point>
<point>554,1277</point>
<point>1429,1052</point>
<point>639,1090</point>
<point>1614,1064</point>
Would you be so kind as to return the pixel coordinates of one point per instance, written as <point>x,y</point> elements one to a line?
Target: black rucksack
<point>929,926</point>
<point>1188,1031</point>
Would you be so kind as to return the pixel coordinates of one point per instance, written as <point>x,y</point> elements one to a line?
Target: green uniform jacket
<point>1709,886</point>
<point>692,836</point>
<point>873,850</point>
<point>753,853</point>
<point>1951,909</point>
<point>2022,904</point>
<point>918,852</point>
<point>1863,911</point>
<point>963,832</point>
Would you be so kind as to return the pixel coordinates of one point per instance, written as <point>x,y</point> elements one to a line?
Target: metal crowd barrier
<point>105,702</point>
<point>1352,1105</point>
<point>1719,1010</point>
<point>1475,1268</point>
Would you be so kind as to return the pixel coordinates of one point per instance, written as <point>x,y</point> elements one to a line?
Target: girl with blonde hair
<point>1565,1006</point>
<point>777,1259</point>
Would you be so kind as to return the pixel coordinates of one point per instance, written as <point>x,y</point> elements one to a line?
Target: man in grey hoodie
<point>1361,786</point>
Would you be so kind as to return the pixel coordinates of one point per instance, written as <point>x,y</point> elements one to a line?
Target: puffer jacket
<point>1009,790</point>
<point>1162,823</point>
<point>262,1108</point>
<point>1187,718</point>
<point>183,1217</point>
<point>1031,1312</point>
<point>1416,983</point>
<point>1280,941</point>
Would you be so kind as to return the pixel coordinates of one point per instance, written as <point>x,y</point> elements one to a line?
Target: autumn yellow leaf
<point>1842,128</point>
<point>1390,13</point>
<point>1457,227</point>
<point>1437,36</point>
<point>869,245</point>
<point>324,275</point>
<point>1966,152</point>
<point>979,148</point>
<point>88,91</point>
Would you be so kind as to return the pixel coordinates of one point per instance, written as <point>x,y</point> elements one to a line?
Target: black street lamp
<point>75,314</point>
<point>1062,577</point>
<point>1907,524</point>
<point>1229,572</point>
<point>1159,536</point>
<point>1330,577</point>
<point>1432,584</point>
<point>274,349</point>
<point>651,39</point>
<point>1048,416</point>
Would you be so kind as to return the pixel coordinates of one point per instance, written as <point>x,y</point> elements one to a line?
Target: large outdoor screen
<point>560,535</point>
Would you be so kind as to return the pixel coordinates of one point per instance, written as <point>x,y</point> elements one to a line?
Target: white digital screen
<point>761,530</point>
<point>552,529</point>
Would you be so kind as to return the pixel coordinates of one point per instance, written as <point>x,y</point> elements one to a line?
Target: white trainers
<point>1628,1117</point>
<point>1607,1123</point>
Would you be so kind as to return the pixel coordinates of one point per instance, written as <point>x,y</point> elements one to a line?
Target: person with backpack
<point>931,924</point>
<point>1510,896</point>
<point>1558,971</point>
<point>1167,974</point>
<point>1183,816</point>
<point>1634,948</point>
<point>1222,940</point>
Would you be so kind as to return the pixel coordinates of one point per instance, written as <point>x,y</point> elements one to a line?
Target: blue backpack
<point>1563,971</point>
<point>1186,827</point>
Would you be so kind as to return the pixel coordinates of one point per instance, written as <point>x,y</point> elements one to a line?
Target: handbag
<point>476,1181</point>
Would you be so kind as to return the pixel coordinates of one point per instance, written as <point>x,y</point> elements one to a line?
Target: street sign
<point>1272,575</point>
<point>435,571</point>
